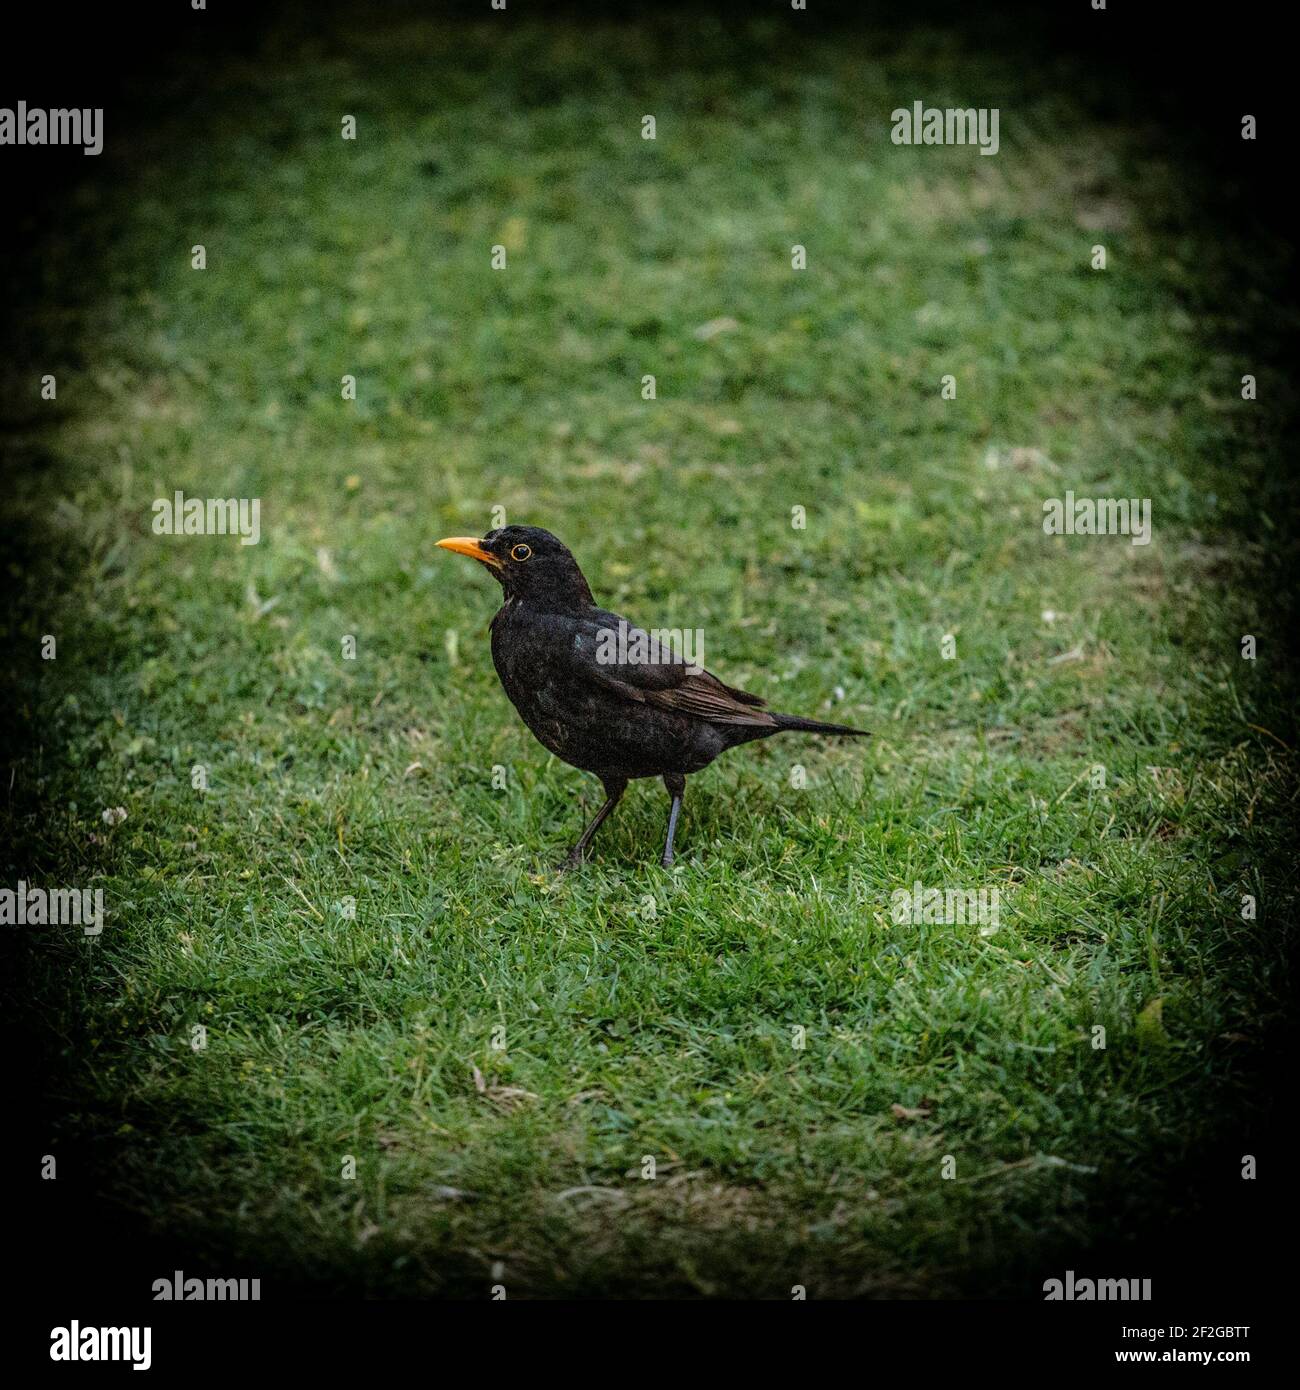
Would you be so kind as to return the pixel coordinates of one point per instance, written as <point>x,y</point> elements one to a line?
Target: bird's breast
<point>524,659</point>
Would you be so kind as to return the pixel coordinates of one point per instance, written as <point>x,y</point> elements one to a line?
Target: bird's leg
<point>676,784</point>
<point>614,788</point>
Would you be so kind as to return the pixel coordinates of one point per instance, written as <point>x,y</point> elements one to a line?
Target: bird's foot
<point>572,860</point>
<point>666,862</point>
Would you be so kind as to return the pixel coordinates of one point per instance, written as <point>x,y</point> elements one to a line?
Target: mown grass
<point>643,1013</point>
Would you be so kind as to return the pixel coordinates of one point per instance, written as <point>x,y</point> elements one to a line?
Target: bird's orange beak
<point>467,545</point>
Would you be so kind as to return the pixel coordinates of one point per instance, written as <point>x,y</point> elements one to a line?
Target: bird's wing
<point>636,665</point>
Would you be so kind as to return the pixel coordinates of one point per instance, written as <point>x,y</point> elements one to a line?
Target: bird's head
<point>529,563</point>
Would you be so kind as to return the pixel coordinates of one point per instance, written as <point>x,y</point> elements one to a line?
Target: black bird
<point>566,670</point>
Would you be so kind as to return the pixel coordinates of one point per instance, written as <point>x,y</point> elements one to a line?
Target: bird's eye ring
<point>520,552</point>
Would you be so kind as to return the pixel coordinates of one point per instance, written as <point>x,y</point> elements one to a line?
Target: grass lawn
<point>499,1049</point>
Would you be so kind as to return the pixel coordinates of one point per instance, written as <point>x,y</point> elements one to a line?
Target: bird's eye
<point>520,552</point>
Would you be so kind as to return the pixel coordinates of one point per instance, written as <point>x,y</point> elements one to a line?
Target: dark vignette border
<point>1190,73</point>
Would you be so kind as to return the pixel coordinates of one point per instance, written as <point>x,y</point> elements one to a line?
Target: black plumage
<point>655,716</point>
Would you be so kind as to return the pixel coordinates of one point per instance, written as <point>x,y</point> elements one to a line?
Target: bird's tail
<point>815,726</point>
